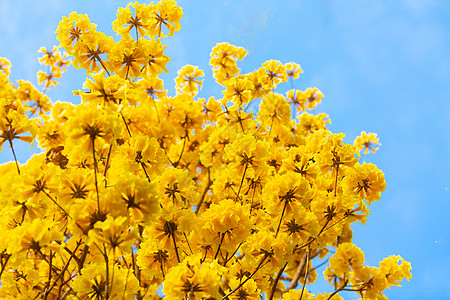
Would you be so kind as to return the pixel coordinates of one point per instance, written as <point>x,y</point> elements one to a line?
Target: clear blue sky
<point>384,67</point>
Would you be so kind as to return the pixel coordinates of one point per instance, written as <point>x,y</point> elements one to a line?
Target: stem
<point>314,238</point>
<point>101,63</point>
<point>294,282</point>
<point>306,271</point>
<point>107,162</point>
<point>189,246</point>
<point>62,271</point>
<point>274,287</point>
<point>14,154</point>
<point>181,154</point>
<point>220,244</point>
<point>240,121</point>
<point>66,293</point>
<point>335,223</point>
<point>242,181</point>
<point>126,125</point>
<point>95,172</point>
<point>4,264</point>
<point>293,104</point>
<point>338,290</point>
<point>251,202</point>
<point>50,272</point>
<point>336,180</point>
<point>175,246</point>
<point>232,255</point>
<point>281,218</point>
<point>145,171</point>
<point>260,265</point>
<point>105,256</point>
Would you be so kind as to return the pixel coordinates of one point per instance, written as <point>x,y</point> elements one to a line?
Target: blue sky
<point>383,66</point>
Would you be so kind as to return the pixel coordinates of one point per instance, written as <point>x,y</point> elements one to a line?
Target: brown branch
<point>338,290</point>
<point>205,191</point>
<point>306,272</point>
<point>275,282</point>
<point>294,281</point>
<point>47,292</point>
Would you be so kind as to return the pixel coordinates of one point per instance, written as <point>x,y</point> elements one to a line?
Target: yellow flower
<point>49,57</point>
<point>336,155</point>
<point>365,180</point>
<point>275,73</point>
<point>71,30</point>
<point>226,225</point>
<point>92,127</point>
<point>75,186</point>
<point>166,13</point>
<point>238,90</point>
<point>40,236</point>
<point>249,291</point>
<point>89,51</point>
<point>223,60</point>
<point>94,283</point>
<point>62,61</point>
<point>194,279</point>
<point>347,257</point>
<point>296,97</point>
<point>187,80</point>
<point>293,70</point>
<point>107,91</point>
<point>155,59</point>
<point>295,295</point>
<point>313,97</point>
<point>5,65</point>
<point>139,22</point>
<point>284,195</point>
<point>308,123</point>
<point>176,188</point>
<point>48,78</point>
<point>274,111</point>
<point>13,125</point>
<point>133,196</point>
<point>128,58</point>
<point>394,268</point>
<point>37,101</point>
<point>367,141</point>
<point>115,233</point>
<point>153,87</point>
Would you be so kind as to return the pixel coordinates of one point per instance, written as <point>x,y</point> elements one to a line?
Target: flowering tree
<point>137,190</point>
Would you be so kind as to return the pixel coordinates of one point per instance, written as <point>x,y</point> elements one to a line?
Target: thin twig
<point>260,265</point>
<point>95,172</point>
<point>107,162</point>
<point>281,218</point>
<point>306,271</point>
<point>14,154</point>
<point>275,282</point>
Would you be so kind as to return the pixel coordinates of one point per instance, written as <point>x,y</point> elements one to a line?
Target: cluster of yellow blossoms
<point>141,195</point>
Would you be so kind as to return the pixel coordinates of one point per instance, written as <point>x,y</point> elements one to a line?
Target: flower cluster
<point>141,195</point>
